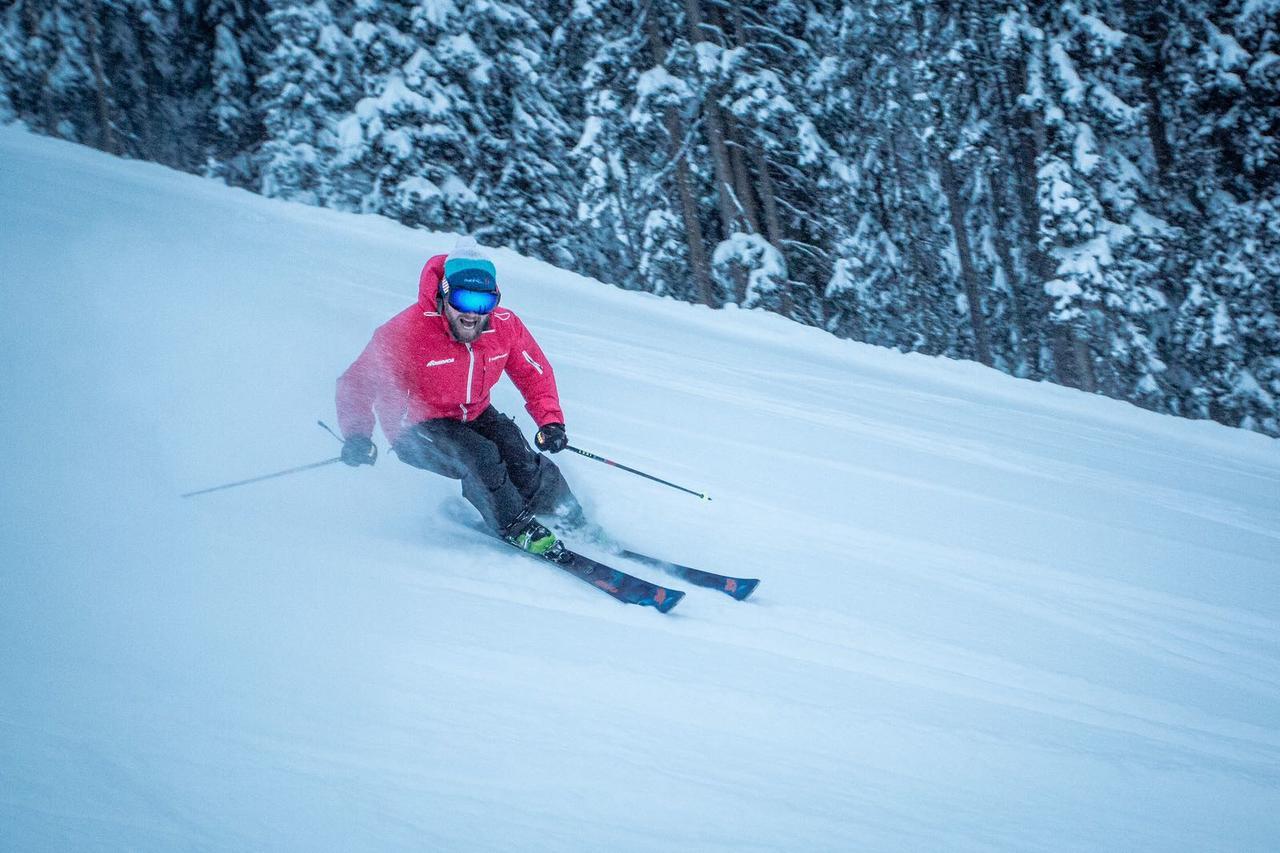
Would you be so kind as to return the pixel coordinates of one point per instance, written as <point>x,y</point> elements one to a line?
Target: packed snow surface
<point>994,614</point>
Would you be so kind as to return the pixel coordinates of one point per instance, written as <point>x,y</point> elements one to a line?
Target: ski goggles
<point>473,301</point>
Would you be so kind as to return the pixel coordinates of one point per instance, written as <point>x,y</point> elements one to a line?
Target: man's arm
<point>529,369</point>
<point>360,385</point>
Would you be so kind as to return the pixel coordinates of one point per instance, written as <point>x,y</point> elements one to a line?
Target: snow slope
<point>994,615</point>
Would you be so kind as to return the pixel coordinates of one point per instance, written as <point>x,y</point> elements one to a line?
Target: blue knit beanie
<point>468,268</point>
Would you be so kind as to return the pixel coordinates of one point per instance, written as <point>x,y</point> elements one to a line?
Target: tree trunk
<point>1028,135</point>
<point>1072,364</point>
<point>720,162</point>
<point>745,197</point>
<point>692,225</point>
<point>694,240</point>
<point>1028,344</point>
<point>1150,31</point>
<point>957,207</point>
<point>99,78</point>
<point>622,195</point>
<point>1072,360</point>
<point>1005,228</point>
<point>772,222</point>
<point>715,136</point>
<point>742,184</point>
<point>1158,133</point>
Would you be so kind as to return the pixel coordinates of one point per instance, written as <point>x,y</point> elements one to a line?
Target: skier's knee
<point>486,465</point>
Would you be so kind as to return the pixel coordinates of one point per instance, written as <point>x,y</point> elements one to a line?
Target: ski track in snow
<point>994,614</point>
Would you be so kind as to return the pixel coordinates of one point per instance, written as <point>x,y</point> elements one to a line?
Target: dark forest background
<point>1082,192</point>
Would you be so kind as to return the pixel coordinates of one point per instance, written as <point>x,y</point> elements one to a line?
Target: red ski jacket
<point>413,369</point>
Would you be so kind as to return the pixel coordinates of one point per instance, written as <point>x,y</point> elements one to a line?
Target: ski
<point>739,588</point>
<point>622,586</point>
<point>626,588</point>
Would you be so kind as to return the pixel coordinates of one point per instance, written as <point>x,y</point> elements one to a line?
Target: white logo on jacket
<point>436,362</point>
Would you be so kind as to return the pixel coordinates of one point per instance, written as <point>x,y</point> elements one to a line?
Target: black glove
<point>359,450</point>
<point>551,438</point>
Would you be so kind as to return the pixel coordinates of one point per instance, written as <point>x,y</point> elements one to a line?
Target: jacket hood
<point>429,284</point>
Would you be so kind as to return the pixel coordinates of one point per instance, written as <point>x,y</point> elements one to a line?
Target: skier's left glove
<point>359,450</point>
<point>551,438</point>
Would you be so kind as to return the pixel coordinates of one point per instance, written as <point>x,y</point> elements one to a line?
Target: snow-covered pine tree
<point>609,240</point>
<point>919,170</point>
<point>598,39</point>
<point>17,70</point>
<point>298,100</point>
<point>7,113</point>
<point>524,178</point>
<point>782,164</point>
<point>149,91</point>
<point>377,158</point>
<point>641,201</point>
<point>458,127</point>
<point>752,258</point>
<point>50,70</point>
<point>1002,43</point>
<point>834,101</point>
<point>713,65</point>
<point>844,85</point>
<point>899,230</point>
<point>941,92</point>
<point>1104,298</point>
<point>228,85</point>
<point>1226,104</point>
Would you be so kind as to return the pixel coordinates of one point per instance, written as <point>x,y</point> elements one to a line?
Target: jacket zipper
<point>471,368</point>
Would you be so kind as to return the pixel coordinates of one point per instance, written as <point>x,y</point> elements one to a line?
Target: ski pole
<point>591,455</point>
<point>329,430</point>
<point>264,477</point>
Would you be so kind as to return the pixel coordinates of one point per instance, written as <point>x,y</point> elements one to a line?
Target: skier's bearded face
<point>465,328</point>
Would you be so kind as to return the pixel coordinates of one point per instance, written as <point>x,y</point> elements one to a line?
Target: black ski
<point>739,588</point>
<point>622,586</point>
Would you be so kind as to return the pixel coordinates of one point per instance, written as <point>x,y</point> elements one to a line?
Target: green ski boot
<point>528,534</point>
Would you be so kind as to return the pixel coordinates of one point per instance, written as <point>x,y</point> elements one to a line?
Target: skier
<point>427,374</point>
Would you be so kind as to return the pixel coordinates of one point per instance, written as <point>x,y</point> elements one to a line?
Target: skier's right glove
<point>551,438</point>
<point>359,450</point>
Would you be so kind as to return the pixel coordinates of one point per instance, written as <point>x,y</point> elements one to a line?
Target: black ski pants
<point>501,474</point>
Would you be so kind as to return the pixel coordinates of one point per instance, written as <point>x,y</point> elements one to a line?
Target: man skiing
<point>427,374</point>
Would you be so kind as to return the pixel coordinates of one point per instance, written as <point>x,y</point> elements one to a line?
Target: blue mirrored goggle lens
<point>473,301</point>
